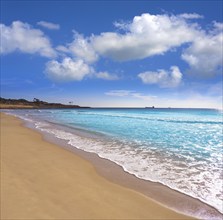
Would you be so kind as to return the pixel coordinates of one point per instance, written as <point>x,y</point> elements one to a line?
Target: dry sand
<point>10,106</point>
<point>40,180</point>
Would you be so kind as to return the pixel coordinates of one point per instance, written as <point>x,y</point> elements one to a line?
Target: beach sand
<point>40,180</point>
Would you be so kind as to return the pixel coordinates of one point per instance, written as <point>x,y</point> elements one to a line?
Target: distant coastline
<point>35,104</point>
<point>39,104</point>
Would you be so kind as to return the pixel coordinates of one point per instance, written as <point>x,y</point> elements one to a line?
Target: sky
<point>113,53</point>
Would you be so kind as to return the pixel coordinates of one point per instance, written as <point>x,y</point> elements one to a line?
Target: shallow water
<point>180,148</point>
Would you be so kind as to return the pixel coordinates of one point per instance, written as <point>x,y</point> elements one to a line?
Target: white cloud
<point>67,70</point>
<point>22,37</point>
<point>121,25</point>
<point>145,36</point>
<point>81,48</point>
<point>148,35</point>
<point>165,79</point>
<point>218,25</point>
<point>205,54</point>
<point>143,97</point>
<point>119,93</point>
<point>62,48</point>
<point>191,16</point>
<point>106,76</point>
<point>49,25</point>
<point>130,94</point>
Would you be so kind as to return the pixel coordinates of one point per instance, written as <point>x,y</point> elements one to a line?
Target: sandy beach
<point>40,180</point>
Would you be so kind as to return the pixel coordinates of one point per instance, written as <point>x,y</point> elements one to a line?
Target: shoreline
<point>116,175</point>
<point>40,180</point>
<point>169,198</point>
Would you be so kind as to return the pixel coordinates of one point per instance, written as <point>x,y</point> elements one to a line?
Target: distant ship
<point>150,107</point>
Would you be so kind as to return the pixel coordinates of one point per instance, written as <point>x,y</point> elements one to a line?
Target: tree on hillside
<point>36,100</point>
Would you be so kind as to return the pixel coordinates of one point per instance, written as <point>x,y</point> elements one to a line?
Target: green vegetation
<point>36,103</point>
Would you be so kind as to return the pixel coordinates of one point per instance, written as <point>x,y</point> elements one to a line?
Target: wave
<point>204,121</point>
<point>186,176</point>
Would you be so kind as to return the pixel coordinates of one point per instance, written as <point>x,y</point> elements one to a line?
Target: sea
<point>180,148</point>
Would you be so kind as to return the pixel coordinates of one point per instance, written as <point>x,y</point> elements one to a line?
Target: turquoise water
<point>180,148</point>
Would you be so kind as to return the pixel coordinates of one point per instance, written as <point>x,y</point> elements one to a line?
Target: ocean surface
<point>180,148</point>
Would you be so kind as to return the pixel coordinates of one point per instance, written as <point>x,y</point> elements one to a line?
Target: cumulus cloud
<point>67,70</point>
<point>218,26</point>
<point>165,79</point>
<point>148,35</point>
<point>22,37</point>
<point>106,76</point>
<point>62,49</point>
<point>81,48</point>
<point>145,36</point>
<point>49,25</point>
<point>205,54</point>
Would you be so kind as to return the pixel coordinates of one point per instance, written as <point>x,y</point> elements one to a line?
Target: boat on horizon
<point>150,107</point>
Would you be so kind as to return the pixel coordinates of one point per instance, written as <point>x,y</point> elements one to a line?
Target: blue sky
<point>113,53</point>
